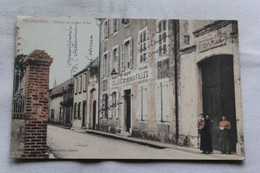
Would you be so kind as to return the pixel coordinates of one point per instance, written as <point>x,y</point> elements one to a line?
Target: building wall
<point>190,98</point>
<point>54,104</point>
<point>79,97</point>
<point>56,98</point>
<point>92,96</point>
<point>156,69</point>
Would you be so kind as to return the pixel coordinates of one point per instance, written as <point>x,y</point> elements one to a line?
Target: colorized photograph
<point>110,88</point>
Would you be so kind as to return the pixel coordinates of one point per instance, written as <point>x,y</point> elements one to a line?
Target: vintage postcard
<point>104,88</point>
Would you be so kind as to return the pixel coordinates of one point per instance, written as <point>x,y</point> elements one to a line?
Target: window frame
<point>117,65</point>
<point>161,40</point>
<point>126,24</point>
<point>141,102</point>
<point>131,53</point>
<point>106,30</point>
<point>140,32</point>
<point>115,29</point>
<point>159,102</point>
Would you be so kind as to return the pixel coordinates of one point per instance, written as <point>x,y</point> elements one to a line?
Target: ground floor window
<point>142,103</point>
<point>162,101</point>
<point>52,114</point>
<point>79,104</point>
<point>75,111</point>
<point>114,106</point>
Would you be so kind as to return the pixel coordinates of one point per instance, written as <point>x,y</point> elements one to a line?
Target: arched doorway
<point>218,93</point>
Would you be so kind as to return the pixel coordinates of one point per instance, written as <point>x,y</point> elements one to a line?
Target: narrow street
<point>67,143</point>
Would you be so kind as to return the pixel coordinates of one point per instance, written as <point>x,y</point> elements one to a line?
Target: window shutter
<point>108,64</point>
<point>110,109</point>
<point>117,60</point>
<point>102,67</point>
<point>117,105</point>
<point>122,58</point>
<point>159,103</point>
<point>101,111</point>
<point>131,53</point>
<point>118,24</point>
<point>139,102</point>
<point>145,104</point>
<point>108,28</point>
<point>165,101</point>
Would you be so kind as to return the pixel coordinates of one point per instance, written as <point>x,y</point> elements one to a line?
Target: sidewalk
<point>216,155</point>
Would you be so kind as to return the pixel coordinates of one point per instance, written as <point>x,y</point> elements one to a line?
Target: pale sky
<point>51,34</point>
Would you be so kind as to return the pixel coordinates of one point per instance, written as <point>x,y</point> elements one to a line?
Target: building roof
<point>92,64</point>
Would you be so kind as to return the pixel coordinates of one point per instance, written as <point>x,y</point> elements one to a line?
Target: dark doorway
<point>84,114</point>
<point>94,115</point>
<point>128,109</point>
<point>218,94</point>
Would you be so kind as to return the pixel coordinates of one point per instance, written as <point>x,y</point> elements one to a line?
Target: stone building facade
<point>86,97</point>
<point>157,76</point>
<point>80,100</point>
<point>209,62</point>
<point>61,103</point>
<point>137,85</point>
<point>92,94</point>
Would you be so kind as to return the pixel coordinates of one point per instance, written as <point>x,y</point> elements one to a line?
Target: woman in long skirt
<point>224,141</point>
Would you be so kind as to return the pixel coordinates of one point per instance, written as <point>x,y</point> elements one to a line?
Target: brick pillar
<point>36,93</point>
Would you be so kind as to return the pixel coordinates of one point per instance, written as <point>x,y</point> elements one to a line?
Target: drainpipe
<point>99,66</point>
<point>176,56</point>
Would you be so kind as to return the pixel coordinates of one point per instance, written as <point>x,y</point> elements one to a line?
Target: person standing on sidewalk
<point>205,141</point>
<point>199,126</point>
<point>224,142</point>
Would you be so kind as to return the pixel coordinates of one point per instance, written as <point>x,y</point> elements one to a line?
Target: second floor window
<point>115,25</point>
<point>76,85</point>
<point>106,30</point>
<point>162,37</point>
<point>142,46</point>
<point>115,59</point>
<point>106,64</point>
<point>125,21</point>
<point>127,54</point>
<point>80,84</point>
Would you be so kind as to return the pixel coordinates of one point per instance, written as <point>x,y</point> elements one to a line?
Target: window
<point>79,110</point>
<point>52,114</point>
<point>186,39</point>
<point>162,37</point>
<point>142,103</point>
<point>114,105</point>
<point>105,105</point>
<point>106,64</point>
<point>125,21</point>
<point>76,85</point>
<point>106,30</point>
<point>142,46</point>
<point>75,111</point>
<point>127,54</point>
<point>60,113</point>
<point>115,25</point>
<point>84,82</point>
<point>162,101</point>
<point>80,84</point>
<point>115,59</point>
